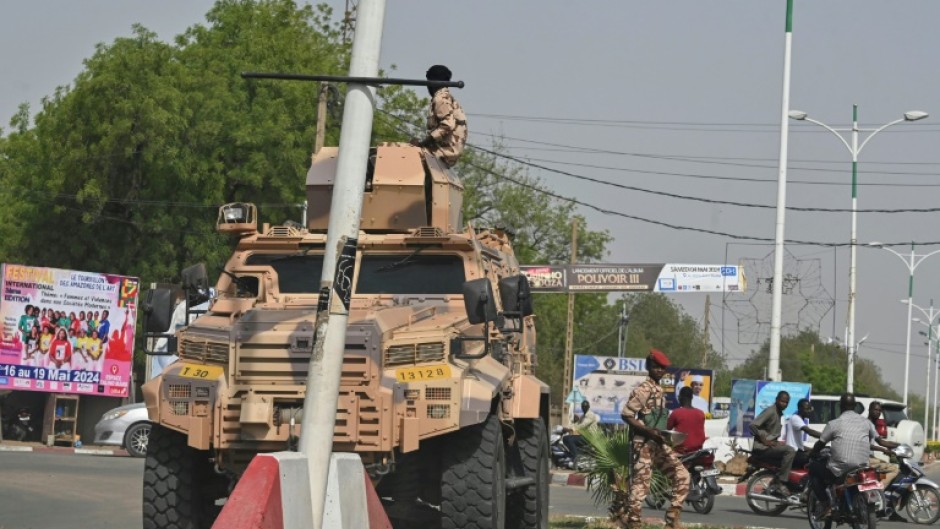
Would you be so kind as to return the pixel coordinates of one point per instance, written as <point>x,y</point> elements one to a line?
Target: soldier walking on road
<point>646,414</point>
<point>447,124</point>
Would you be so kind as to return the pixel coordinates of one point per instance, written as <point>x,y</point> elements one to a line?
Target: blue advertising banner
<point>751,397</point>
<point>743,401</point>
<point>767,393</point>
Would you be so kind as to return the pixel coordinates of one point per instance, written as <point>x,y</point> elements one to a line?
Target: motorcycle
<point>19,427</point>
<point>562,456</point>
<point>855,500</point>
<point>912,491</point>
<point>703,483</point>
<point>760,498</point>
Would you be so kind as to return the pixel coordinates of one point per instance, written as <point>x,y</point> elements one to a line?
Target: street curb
<point>730,486</point>
<point>96,451</point>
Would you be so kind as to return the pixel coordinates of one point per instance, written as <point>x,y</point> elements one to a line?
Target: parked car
<point>127,426</point>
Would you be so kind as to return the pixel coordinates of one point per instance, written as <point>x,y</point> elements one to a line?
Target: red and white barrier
<point>274,493</point>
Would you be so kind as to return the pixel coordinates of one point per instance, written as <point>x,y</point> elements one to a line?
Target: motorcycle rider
<point>766,430</point>
<point>688,420</point>
<point>574,441</point>
<point>851,436</point>
<point>881,444</point>
<point>797,432</point>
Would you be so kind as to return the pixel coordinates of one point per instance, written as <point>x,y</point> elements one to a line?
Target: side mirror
<point>479,301</point>
<point>158,310</point>
<point>515,294</point>
<point>196,284</point>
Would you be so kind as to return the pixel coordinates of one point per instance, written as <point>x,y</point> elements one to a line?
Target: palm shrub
<point>609,478</point>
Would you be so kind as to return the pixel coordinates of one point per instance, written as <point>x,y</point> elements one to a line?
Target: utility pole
<point>321,116</point>
<point>708,305</point>
<point>326,362</point>
<point>569,333</point>
<point>624,322</point>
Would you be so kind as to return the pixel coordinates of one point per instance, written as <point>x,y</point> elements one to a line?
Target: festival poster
<point>66,331</point>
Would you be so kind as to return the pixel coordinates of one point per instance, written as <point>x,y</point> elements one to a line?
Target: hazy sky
<point>659,95</point>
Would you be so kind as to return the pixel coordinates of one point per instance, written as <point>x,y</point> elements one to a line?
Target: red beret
<point>659,357</point>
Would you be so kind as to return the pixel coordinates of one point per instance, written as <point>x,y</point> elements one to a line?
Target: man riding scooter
<point>589,420</point>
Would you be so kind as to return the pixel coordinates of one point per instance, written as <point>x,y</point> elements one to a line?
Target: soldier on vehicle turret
<point>447,124</point>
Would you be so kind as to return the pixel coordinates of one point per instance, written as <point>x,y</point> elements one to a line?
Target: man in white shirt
<point>796,432</point>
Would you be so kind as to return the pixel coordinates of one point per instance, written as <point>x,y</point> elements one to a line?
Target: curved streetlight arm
<point>910,266</point>
<point>876,131</point>
<point>834,131</point>
<point>920,258</point>
<point>922,311</point>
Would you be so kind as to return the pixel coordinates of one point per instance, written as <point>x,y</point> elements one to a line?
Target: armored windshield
<point>296,273</point>
<point>411,273</point>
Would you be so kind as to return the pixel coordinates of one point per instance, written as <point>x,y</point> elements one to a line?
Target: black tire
<point>178,484</point>
<point>530,459</point>
<point>813,508</point>
<point>923,505</point>
<point>864,513</point>
<point>756,485</point>
<point>473,478</point>
<point>705,504</point>
<point>136,438</point>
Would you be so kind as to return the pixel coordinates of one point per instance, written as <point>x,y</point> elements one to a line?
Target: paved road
<point>59,491</point>
<point>64,491</point>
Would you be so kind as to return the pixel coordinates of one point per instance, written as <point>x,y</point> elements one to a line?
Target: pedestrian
<point>447,124</point>
<point>646,414</point>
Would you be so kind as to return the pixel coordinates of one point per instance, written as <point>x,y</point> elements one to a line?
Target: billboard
<point>606,382</point>
<point>635,278</point>
<point>751,397</point>
<point>66,331</point>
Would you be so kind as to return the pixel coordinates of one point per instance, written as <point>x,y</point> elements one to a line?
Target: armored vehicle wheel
<point>473,478</point>
<point>530,460</point>
<point>178,484</point>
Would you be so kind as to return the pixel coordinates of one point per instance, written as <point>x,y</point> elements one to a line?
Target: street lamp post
<point>854,149</point>
<point>911,265</point>
<point>931,315</point>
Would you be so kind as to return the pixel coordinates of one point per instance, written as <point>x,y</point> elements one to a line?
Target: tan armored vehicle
<point>437,393</point>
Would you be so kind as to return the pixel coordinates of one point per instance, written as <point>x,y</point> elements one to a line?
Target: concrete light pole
<point>912,263</point>
<point>776,307</point>
<point>854,149</point>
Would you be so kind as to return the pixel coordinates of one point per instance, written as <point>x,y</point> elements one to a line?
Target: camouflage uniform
<point>447,128</point>
<point>643,400</point>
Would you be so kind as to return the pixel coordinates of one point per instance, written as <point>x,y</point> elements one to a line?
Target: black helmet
<point>438,72</point>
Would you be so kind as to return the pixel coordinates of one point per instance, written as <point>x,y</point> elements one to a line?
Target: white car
<point>900,428</point>
<point>127,426</point>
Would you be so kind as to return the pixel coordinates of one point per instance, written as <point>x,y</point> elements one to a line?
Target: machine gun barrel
<point>345,79</point>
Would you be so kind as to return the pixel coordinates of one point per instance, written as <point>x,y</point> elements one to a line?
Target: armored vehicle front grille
<point>179,408</point>
<point>438,411</point>
<point>397,355</point>
<point>203,350</point>
<point>283,231</point>
<point>437,394</point>
<point>179,391</point>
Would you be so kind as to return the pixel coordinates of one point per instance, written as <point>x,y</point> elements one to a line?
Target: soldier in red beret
<point>646,414</point>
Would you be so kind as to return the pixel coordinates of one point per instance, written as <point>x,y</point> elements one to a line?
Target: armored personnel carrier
<point>437,396</point>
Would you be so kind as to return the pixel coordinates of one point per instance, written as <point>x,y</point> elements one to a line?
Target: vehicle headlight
<point>110,416</point>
